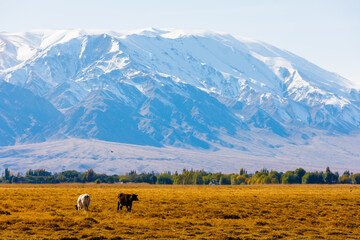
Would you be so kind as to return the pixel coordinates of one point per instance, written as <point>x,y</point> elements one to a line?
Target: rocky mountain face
<point>165,88</point>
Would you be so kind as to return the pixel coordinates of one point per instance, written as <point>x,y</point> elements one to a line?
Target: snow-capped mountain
<point>165,88</point>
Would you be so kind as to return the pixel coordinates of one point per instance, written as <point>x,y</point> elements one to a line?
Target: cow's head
<point>134,197</point>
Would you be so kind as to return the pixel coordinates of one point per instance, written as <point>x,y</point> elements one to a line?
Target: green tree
<point>275,177</point>
<point>225,180</point>
<point>70,176</point>
<point>14,180</point>
<point>234,180</point>
<point>345,178</point>
<point>89,175</point>
<point>261,177</point>
<point>313,178</point>
<point>290,177</point>
<point>215,177</point>
<point>164,178</point>
<point>148,178</point>
<point>178,179</point>
<point>7,174</point>
<point>206,179</point>
<point>124,179</point>
<point>188,176</point>
<point>300,172</point>
<point>242,179</point>
<point>329,177</point>
<point>356,178</point>
<point>197,178</point>
<point>242,172</point>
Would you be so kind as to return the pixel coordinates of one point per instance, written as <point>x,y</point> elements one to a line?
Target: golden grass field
<point>181,212</point>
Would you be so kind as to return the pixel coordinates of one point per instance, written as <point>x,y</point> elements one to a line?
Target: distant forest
<point>190,177</point>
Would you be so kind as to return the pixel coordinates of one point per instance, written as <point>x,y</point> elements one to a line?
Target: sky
<point>325,32</point>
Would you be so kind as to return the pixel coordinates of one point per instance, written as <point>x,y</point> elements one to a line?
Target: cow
<point>126,200</point>
<point>83,202</point>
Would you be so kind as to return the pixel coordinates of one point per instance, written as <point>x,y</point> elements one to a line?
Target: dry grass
<point>181,212</point>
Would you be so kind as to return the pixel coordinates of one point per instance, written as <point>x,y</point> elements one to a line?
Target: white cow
<point>83,202</point>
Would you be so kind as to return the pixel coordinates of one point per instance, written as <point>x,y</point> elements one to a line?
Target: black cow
<point>126,200</point>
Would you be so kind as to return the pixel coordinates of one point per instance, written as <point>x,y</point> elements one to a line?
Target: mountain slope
<point>24,116</point>
<point>170,87</point>
<point>338,152</point>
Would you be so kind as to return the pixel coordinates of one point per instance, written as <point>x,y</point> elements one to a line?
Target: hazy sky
<point>325,32</point>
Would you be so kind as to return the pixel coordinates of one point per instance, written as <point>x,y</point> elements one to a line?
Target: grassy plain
<point>181,212</point>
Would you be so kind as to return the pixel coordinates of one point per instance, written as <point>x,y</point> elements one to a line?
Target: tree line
<point>186,177</point>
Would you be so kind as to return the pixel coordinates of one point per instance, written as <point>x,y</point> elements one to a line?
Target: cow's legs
<point>118,206</point>
<point>128,207</point>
